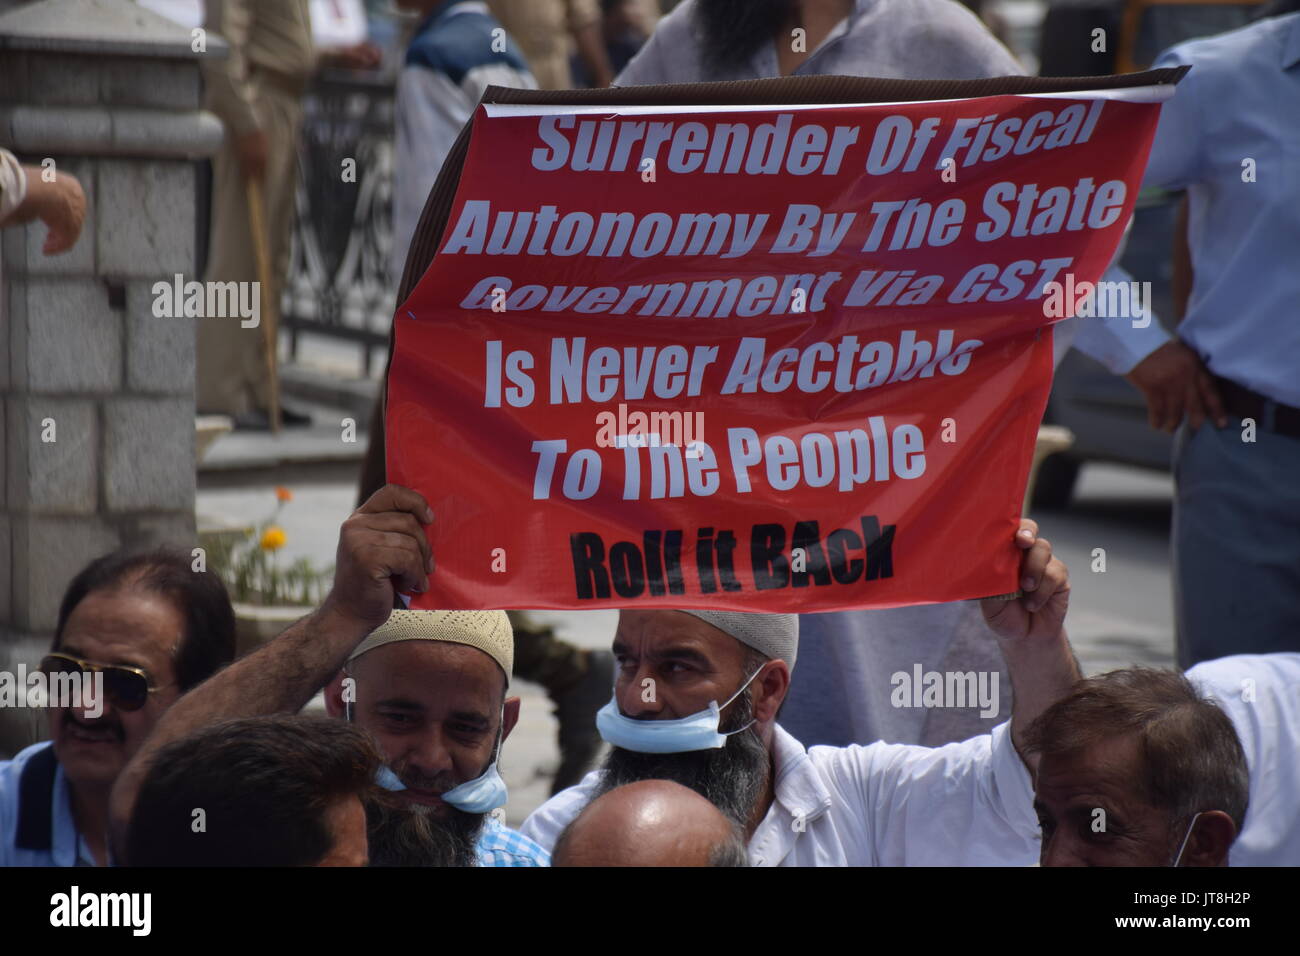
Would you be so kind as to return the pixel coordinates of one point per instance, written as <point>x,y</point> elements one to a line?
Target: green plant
<point>253,573</point>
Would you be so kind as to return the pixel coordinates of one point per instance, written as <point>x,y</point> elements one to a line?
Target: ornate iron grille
<point>338,283</point>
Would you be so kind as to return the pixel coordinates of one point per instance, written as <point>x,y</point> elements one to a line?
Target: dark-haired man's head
<point>675,664</point>
<point>733,30</point>
<point>164,626</point>
<point>430,687</point>
<point>257,791</point>
<point>650,823</point>
<point>1137,769</point>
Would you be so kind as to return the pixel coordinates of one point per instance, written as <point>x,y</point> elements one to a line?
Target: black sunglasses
<point>127,687</point>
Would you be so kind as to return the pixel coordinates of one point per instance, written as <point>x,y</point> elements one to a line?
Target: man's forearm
<point>1042,672</point>
<point>280,677</point>
<point>225,78</point>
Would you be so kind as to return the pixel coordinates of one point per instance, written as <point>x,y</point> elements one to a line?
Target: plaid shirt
<point>500,846</point>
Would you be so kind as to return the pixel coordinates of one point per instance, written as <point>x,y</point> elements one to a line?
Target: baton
<point>257,224</point>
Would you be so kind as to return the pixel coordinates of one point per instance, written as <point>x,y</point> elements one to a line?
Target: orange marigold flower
<point>283,494</point>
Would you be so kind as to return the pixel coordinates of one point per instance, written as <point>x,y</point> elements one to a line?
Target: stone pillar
<point>97,431</point>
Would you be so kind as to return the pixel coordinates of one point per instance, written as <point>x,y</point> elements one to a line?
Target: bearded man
<point>696,702</point>
<point>429,686</point>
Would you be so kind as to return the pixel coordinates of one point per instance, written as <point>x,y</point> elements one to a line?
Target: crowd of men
<point>199,760</point>
<point>737,757</point>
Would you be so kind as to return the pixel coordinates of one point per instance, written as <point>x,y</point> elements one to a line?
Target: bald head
<point>650,823</point>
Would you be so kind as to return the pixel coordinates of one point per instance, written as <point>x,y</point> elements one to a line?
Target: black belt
<point>1269,415</point>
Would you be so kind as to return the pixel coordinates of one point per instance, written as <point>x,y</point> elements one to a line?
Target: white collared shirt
<point>964,804</point>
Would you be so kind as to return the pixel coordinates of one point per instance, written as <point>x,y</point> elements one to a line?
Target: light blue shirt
<point>64,845</point>
<point>498,845</point>
<point>1241,101</point>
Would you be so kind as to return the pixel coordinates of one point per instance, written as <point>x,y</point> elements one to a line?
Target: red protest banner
<point>766,359</point>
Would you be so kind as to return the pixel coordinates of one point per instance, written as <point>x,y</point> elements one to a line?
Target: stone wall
<point>85,361</point>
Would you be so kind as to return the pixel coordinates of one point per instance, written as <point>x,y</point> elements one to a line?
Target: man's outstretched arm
<point>382,549</point>
<point>1031,632</point>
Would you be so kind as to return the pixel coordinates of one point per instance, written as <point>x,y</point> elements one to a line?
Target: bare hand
<point>253,149</point>
<point>1175,382</point>
<point>382,550</point>
<point>60,204</point>
<point>1045,581</point>
<point>359,56</point>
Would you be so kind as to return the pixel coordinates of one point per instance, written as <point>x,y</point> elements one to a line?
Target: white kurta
<point>963,804</point>
<point>1261,693</point>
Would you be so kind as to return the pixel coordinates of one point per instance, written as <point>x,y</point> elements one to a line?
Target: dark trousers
<point>1236,542</point>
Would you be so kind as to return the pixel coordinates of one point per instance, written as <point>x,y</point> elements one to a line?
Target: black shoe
<point>258,420</point>
<point>252,421</point>
<point>291,419</point>
<point>576,709</point>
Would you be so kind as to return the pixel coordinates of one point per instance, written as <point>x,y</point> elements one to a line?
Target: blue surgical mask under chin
<point>483,794</point>
<point>699,731</point>
<point>385,778</point>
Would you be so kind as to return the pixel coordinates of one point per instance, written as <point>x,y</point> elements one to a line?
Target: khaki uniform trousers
<point>232,375</point>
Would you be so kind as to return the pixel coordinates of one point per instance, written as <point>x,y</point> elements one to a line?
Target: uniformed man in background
<point>542,29</point>
<point>256,91</point>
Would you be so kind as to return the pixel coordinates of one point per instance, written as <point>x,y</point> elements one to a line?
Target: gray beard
<point>402,834</point>
<point>732,778</point>
<point>734,29</point>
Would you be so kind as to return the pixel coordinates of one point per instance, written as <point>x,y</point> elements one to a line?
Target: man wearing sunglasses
<point>431,687</point>
<point>141,628</point>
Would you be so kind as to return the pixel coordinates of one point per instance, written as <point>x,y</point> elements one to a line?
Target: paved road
<point>1117,617</point>
<point>1124,614</point>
